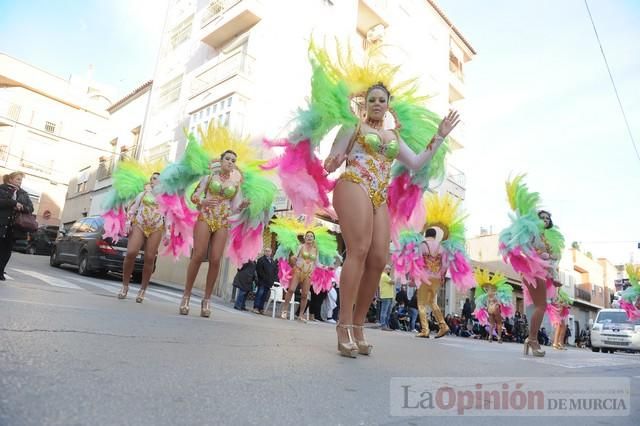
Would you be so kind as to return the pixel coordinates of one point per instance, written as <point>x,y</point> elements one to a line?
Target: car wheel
<point>83,265</point>
<point>595,349</point>
<point>53,259</point>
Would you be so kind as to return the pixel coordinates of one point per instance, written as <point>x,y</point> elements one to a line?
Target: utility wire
<point>624,116</point>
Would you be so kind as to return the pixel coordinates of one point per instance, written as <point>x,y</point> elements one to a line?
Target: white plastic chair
<point>277,296</point>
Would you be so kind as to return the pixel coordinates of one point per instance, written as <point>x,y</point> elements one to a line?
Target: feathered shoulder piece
<point>129,179</point>
<point>630,298</point>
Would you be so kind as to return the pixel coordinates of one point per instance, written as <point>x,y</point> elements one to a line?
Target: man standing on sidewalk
<point>387,290</point>
<point>267,272</point>
<point>243,282</point>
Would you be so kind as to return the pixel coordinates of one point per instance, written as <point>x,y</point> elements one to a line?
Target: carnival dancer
<point>232,200</point>
<point>494,301</point>
<point>312,260</point>
<point>426,258</point>
<point>533,246</point>
<point>141,221</point>
<point>558,311</point>
<point>362,197</point>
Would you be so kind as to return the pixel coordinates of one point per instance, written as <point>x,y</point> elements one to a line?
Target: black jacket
<point>245,276</point>
<point>8,204</point>
<point>267,271</point>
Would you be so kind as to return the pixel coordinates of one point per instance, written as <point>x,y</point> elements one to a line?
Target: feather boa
<point>322,279</point>
<point>180,220</point>
<point>302,175</point>
<point>405,208</point>
<point>115,223</point>
<point>461,272</point>
<point>285,273</point>
<point>557,313</point>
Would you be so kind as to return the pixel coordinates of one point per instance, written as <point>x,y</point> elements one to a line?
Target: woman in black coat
<point>13,200</point>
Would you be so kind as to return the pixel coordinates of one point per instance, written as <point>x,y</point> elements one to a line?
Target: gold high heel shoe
<point>184,305</point>
<point>530,345</point>
<point>123,292</point>
<point>364,347</point>
<point>348,349</point>
<point>140,296</point>
<point>205,310</point>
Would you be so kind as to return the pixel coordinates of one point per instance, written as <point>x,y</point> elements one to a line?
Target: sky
<point>120,38</point>
<point>539,100</point>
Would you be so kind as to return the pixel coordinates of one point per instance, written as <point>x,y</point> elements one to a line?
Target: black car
<point>84,246</point>
<point>39,242</point>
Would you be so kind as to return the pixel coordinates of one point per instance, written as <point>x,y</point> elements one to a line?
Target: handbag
<point>26,222</point>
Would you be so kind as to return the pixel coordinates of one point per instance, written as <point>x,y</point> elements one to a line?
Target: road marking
<point>7,276</point>
<point>48,279</point>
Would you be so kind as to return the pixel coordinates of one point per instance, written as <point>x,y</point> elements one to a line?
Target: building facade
<point>48,130</point>
<point>243,63</point>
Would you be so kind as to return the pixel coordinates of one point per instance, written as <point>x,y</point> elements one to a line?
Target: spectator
<point>267,274</point>
<point>466,311</point>
<point>336,285</point>
<point>402,297</point>
<point>543,337</point>
<point>567,335</point>
<point>386,297</point>
<point>413,312</point>
<point>13,200</point>
<point>243,282</point>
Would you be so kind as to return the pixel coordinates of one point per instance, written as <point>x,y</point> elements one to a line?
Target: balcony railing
<point>456,176</point>
<point>583,294</point>
<point>238,63</point>
<point>105,168</point>
<point>216,8</point>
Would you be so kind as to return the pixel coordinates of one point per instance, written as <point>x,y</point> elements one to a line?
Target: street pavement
<point>72,354</point>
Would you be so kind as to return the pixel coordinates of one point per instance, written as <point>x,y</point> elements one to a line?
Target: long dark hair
<point>540,212</point>
<point>229,151</point>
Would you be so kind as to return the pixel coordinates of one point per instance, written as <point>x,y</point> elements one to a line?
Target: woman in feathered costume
<point>630,298</point>
<point>426,259</point>
<point>533,246</point>
<point>494,301</point>
<point>142,219</point>
<point>558,311</point>
<point>307,264</point>
<point>222,207</point>
<point>363,197</point>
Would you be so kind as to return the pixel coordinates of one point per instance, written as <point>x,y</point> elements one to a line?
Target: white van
<point>612,330</point>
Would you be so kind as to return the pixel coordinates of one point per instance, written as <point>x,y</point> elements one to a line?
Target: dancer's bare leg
<point>150,253</point>
<point>218,243</point>
<point>539,298</point>
<point>201,235</point>
<point>134,244</point>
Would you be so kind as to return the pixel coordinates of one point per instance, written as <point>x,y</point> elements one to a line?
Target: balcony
<point>238,64</point>
<point>583,294</point>
<point>456,176</point>
<point>370,14</point>
<point>224,19</point>
<point>456,85</point>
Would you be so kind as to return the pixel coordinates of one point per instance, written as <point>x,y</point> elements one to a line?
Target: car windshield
<point>615,318</point>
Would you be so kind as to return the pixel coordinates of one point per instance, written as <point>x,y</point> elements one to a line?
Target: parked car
<point>39,242</point>
<point>83,245</point>
<point>613,330</point>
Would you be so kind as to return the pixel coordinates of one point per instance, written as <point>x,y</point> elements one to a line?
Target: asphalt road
<point>72,354</point>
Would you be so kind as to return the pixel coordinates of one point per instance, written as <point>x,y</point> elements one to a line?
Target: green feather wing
<point>257,188</point>
<point>327,246</point>
<point>555,239</point>
<point>287,231</point>
<point>193,164</point>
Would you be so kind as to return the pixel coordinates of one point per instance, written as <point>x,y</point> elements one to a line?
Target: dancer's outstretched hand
<point>448,123</point>
<point>332,162</point>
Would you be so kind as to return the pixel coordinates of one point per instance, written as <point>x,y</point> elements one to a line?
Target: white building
<point>88,188</point>
<point>48,129</point>
<point>244,63</point>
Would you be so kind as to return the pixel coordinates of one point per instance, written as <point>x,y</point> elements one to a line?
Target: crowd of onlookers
<point>394,308</point>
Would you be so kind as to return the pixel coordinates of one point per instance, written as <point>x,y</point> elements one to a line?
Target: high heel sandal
<point>205,310</point>
<point>184,305</point>
<point>140,296</point>
<point>364,347</point>
<point>123,292</point>
<point>535,352</point>
<point>348,349</point>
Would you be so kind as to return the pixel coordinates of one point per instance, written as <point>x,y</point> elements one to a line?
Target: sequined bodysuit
<point>147,216</point>
<point>305,264</point>
<point>216,216</point>
<point>369,165</point>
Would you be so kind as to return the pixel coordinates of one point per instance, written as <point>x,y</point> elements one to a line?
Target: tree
<point>575,245</point>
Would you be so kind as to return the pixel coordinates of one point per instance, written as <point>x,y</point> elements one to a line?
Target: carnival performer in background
<point>141,221</point>
<point>232,200</point>
<point>533,246</point>
<point>425,259</point>
<point>312,260</point>
<point>494,301</point>
<point>558,311</point>
<point>369,146</point>
<point>630,298</point>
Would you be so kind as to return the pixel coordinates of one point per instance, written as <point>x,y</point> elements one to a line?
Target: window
<point>50,127</point>
<point>170,91</point>
<point>4,152</point>
<point>83,178</point>
<point>105,167</point>
<point>220,112</point>
<point>14,111</point>
<point>181,32</point>
<point>135,137</point>
<point>159,152</point>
